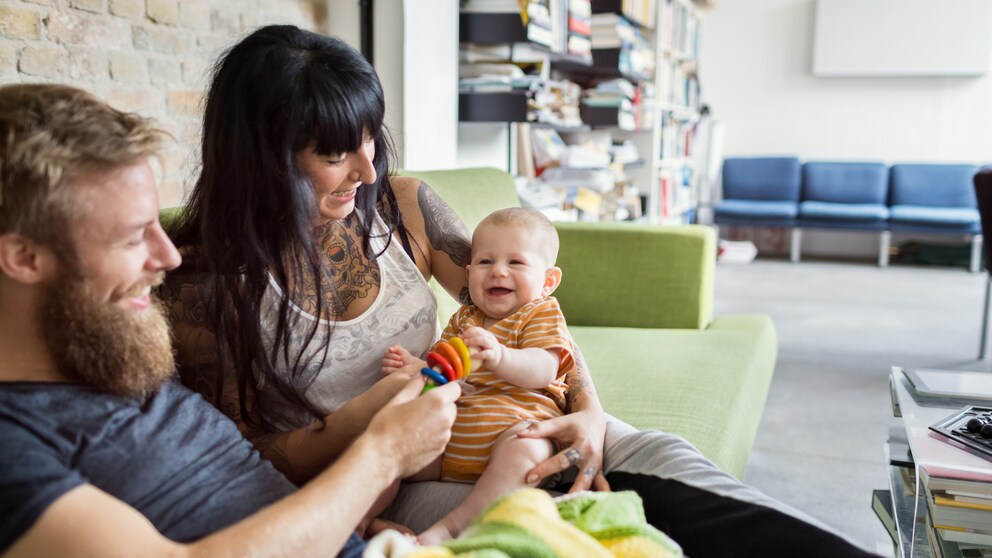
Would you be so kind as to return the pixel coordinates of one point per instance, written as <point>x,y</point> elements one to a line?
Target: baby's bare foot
<point>436,534</point>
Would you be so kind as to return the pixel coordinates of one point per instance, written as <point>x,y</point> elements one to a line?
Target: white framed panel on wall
<point>866,38</point>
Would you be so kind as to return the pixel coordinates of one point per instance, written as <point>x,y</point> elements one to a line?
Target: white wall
<point>415,46</point>
<point>755,71</point>
<point>430,75</point>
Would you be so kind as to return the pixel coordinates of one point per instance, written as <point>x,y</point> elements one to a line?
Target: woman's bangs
<point>340,126</point>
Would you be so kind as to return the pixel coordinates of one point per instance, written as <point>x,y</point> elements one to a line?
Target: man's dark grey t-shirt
<point>173,457</point>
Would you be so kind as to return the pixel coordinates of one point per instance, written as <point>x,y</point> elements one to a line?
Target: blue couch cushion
<point>756,209</point>
<point>936,185</point>
<point>843,211</point>
<point>761,178</point>
<point>855,183</point>
<point>951,216</point>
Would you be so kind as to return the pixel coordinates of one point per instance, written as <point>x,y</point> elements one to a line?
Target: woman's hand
<point>582,434</point>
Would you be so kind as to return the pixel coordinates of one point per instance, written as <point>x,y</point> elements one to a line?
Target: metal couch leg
<point>884,242</point>
<point>976,253</point>
<point>983,342</point>
<point>795,244</point>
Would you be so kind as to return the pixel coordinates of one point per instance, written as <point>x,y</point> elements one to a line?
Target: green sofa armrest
<point>626,275</point>
<point>708,386</point>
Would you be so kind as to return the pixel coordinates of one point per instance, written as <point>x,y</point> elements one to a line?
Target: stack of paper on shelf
<point>580,27</point>
<point>557,102</point>
<point>960,504</point>
<point>617,95</point>
<point>540,25</point>
<point>493,77</point>
<point>490,6</point>
<point>611,31</point>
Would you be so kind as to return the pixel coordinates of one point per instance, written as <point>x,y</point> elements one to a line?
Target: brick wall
<point>145,56</point>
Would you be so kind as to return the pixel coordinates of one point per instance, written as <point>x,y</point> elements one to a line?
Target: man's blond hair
<point>542,230</point>
<point>50,135</point>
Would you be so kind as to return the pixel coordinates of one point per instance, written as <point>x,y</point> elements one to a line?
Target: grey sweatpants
<point>628,450</point>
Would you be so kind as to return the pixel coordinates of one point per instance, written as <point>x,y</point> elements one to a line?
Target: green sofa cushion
<point>706,386</point>
<point>630,275</point>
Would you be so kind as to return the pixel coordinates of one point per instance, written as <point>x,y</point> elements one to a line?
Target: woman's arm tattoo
<point>577,380</point>
<point>444,228</point>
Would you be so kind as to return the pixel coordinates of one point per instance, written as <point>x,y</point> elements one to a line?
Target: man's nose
<point>162,253</point>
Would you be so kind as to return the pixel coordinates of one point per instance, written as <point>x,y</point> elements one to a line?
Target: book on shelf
<point>959,480</point>
<point>940,547</point>
<point>965,536</point>
<point>881,504</point>
<point>964,502</point>
<point>899,453</point>
<point>490,6</point>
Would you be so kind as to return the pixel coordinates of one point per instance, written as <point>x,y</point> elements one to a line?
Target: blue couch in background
<point>926,198</point>
<point>761,192</point>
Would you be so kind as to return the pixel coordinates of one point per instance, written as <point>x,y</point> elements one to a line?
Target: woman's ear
<point>24,260</point>
<point>552,278</point>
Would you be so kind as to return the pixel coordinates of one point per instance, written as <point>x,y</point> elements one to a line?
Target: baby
<point>516,330</point>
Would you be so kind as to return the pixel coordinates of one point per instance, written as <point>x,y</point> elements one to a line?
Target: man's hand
<point>483,347</point>
<point>413,429</point>
<point>582,434</point>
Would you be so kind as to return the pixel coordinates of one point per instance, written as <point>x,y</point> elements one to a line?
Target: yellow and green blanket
<point>530,523</point>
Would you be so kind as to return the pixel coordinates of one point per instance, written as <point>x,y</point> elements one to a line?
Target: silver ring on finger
<point>573,456</point>
<point>590,471</point>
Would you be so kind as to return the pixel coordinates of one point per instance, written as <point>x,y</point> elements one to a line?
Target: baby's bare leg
<point>431,472</point>
<point>511,459</point>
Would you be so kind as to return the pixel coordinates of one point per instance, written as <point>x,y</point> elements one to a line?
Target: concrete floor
<point>841,327</point>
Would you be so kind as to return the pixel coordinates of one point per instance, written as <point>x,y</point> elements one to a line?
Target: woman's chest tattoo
<point>346,277</point>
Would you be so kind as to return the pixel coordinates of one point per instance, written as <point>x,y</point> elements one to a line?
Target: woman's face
<point>337,177</point>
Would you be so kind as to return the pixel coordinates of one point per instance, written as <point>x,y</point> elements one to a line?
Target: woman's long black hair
<point>252,211</point>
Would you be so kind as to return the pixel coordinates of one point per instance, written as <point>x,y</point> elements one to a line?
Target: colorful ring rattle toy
<point>448,361</point>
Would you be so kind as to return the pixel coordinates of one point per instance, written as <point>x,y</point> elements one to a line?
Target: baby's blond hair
<point>542,229</point>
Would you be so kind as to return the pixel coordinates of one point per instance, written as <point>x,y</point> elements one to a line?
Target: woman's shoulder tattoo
<point>445,230</point>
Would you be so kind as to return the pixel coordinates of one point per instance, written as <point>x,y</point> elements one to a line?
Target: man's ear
<point>24,260</point>
<point>552,278</point>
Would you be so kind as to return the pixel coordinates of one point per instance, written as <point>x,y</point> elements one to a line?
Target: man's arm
<point>315,521</point>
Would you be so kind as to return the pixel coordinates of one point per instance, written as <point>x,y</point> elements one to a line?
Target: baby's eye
<point>517,262</point>
<point>485,261</point>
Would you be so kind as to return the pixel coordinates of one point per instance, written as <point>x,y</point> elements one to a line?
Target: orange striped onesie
<point>495,405</point>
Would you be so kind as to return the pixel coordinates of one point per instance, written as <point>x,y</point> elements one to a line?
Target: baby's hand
<point>397,357</point>
<point>483,347</point>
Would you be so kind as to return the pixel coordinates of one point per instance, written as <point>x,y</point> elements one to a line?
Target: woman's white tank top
<point>404,312</point>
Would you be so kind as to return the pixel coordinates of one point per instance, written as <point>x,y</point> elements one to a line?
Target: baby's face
<point>507,270</point>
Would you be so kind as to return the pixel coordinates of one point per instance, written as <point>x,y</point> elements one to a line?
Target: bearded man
<point>101,451</point>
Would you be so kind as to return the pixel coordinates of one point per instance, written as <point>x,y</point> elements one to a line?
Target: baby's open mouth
<point>499,291</point>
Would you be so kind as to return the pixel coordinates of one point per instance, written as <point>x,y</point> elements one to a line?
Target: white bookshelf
<point>663,125</point>
<point>674,195</point>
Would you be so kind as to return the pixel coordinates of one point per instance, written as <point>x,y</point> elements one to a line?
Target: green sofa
<point>639,302</point>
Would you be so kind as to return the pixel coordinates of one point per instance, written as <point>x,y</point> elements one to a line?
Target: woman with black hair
<point>304,260</point>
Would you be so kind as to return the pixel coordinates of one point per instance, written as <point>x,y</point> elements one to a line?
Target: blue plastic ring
<point>434,375</point>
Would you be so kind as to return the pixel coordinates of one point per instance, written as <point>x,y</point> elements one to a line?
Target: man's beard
<point>103,345</point>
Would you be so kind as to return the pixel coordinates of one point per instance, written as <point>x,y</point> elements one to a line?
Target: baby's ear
<point>552,278</point>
